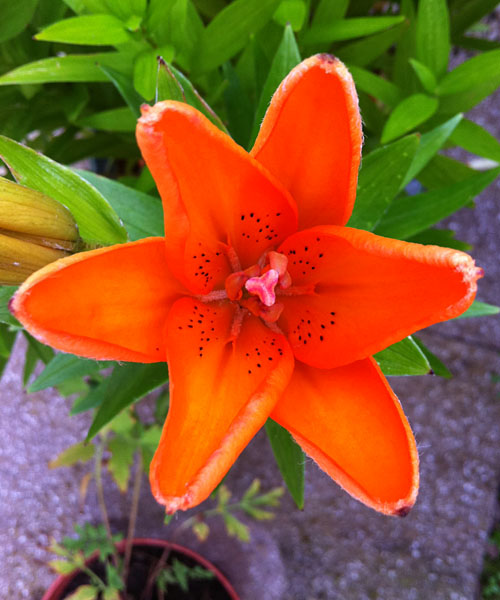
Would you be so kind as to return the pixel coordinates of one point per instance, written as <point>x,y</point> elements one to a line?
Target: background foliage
<point>73,74</point>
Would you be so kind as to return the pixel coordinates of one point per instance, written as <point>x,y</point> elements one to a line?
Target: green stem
<point>134,509</point>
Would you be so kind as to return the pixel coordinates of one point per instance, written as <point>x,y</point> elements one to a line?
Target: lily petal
<point>223,385</point>
<point>351,423</point>
<point>215,196</point>
<point>311,139</point>
<point>110,303</point>
<point>367,292</point>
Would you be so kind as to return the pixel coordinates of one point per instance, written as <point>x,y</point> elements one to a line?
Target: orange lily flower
<point>259,298</point>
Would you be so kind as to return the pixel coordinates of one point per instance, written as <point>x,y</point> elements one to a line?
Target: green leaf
<point>473,138</point>
<point>365,51</point>
<point>425,75</point>
<point>430,143</point>
<point>286,58</point>
<point>239,107</point>
<point>30,361</point>
<point>376,86</point>
<point>438,367</point>
<point>62,567</point>
<point>327,11</point>
<point>439,237</point>
<point>290,460</point>
<point>481,70</point>
<point>403,358</point>
<point>84,592</point>
<point>433,35</point>
<point>479,309</point>
<point>121,461</point>
<point>405,49</point>
<point>15,17</point>
<point>124,85</point>
<point>382,172</point>
<point>408,215</point>
<point>127,384</point>
<point>228,32</point>
<point>141,213</point>
<point>146,70</point>
<point>97,221</point>
<point>71,68</point>
<point>127,10</point>
<point>6,293</point>
<point>407,115</point>
<point>292,13</point>
<point>44,353</point>
<point>467,12</point>
<point>79,452</point>
<point>63,367</point>
<point>116,119</point>
<point>441,171</point>
<point>173,85</point>
<point>7,339</point>
<point>347,29</point>
<point>92,30</point>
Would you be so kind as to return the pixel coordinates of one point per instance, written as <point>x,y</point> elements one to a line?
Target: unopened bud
<point>34,231</point>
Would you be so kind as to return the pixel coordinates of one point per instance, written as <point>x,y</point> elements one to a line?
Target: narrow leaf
<point>347,29</point>
<point>63,367</point>
<point>433,35</point>
<point>467,12</point>
<point>292,13</point>
<point>290,460</point>
<point>407,115</point>
<point>439,237</point>
<point>473,138</point>
<point>92,30</point>
<point>437,366</point>
<point>79,452</point>
<point>124,85</point>
<point>6,293</point>
<point>479,309</point>
<point>403,358</point>
<point>228,32</point>
<point>174,85</point>
<point>116,119</point>
<point>363,52</point>
<point>442,171</point>
<point>15,17</point>
<point>430,143</point>
<point>483,69</point>
<point>97,221</point>
<point>380,177</point>
<point>425,75</point>
<point>376,86</point>
<point>408,215</point>
<point>71,68</point>
<point>127,384</point>
<point>142,214</point>
<point>286,58</point>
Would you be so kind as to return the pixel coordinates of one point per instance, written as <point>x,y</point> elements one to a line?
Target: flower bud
<point>34,231</point>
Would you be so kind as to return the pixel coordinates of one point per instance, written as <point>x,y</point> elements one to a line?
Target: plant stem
<point>100,490</point>
<point>134,509</point>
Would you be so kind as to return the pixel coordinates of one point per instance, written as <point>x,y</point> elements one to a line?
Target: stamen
<point>263,286</point>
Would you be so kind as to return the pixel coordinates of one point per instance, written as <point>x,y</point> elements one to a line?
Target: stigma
<point>263,286</point>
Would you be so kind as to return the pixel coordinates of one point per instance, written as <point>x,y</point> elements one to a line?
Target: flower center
<point>263,286</point>
<point>255,288</point>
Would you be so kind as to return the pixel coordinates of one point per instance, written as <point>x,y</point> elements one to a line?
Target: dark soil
<point>143,562</point>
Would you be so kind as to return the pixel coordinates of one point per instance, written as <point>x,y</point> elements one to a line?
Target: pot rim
<point>60,584</point>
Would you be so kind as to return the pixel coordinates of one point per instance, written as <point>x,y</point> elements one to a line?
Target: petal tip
<point>403,509</point>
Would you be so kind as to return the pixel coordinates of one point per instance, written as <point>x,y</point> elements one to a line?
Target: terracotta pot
<point>60,586</point>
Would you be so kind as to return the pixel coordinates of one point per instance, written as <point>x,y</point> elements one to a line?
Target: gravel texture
<point>335,549</point>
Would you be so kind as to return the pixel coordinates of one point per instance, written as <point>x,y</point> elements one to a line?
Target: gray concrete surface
<point>335,549</point>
